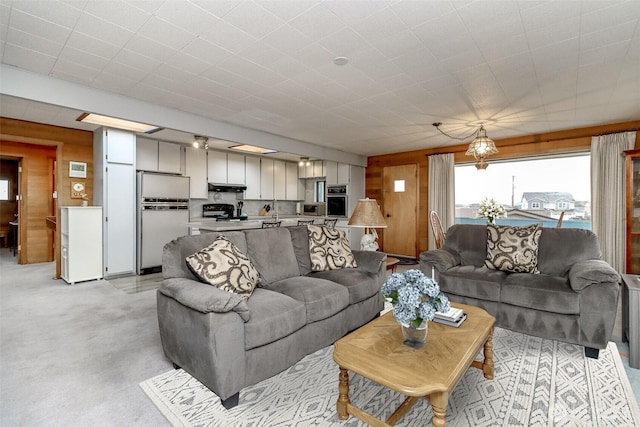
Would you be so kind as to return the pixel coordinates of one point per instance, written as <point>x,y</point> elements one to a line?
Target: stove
<point>220,212</point>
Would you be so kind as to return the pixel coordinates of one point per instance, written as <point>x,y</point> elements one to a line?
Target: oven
<point>337,200</point>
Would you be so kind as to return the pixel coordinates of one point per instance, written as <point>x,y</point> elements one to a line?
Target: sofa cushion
<point>272,253</point>
<point>329,249</point>
<point>468,242</point>
<point>513,249</point>
<point>224,266</point>
<point>475,282</point>
<point>321,298</point>
<point>360,284</point>
<point>273,316</point>
<point>540,292</point>
<point>560,248</point>
<point>300,241</point>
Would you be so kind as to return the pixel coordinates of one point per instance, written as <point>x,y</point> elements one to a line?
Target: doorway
<point>9,189</point>
<point>400,209</point>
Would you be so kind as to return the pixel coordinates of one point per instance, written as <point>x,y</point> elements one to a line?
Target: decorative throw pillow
<point>513,249</point>
<point>329,249</point>
<point>224,266</point>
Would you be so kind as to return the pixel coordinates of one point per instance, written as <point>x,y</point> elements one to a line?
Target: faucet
<point>275,209</point>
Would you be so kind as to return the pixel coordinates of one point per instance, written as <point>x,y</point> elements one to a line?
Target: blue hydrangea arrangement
<point>414,296</point>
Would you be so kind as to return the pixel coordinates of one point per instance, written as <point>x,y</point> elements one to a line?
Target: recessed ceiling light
<point>252,149</point>
<point>341,60</point>
<point>113,122</point>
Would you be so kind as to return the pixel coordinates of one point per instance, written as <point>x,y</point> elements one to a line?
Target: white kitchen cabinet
<point>114,175</point>
<point>253,178</point>
<point>266,179</point>
<point>157,156</point>
<point>236,173</point>
<point>318,169</point>
<point>81,243</point>
<point>331,171</point>
<point>344,173</point>
<point>146,154</point>
<point>217,167</point>
<point>291,179</point>
<point>280,180</point>
<point>169,157</point>
<point>196,169</point>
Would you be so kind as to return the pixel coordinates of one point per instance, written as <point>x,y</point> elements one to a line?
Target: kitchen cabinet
<point>318,169</point>
<point>280,180</point>
<point>344,173</point>
<point>169,157</point>
<point>236,173</point>
<point>114,155</point>
<point>217,167</point>
<point>157,156</point>
<point>292,184</point>
<point>196,170</point>
<point>81,243</point>
<point>266,179</point>
<point>331,170</point>
<point>253,177</point>
<point>315,169</point>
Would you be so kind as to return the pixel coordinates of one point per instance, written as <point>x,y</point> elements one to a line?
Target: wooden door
<point>399,208</point>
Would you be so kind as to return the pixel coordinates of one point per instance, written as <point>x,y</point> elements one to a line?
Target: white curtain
<point>442,191</point>
<point>608,194</point>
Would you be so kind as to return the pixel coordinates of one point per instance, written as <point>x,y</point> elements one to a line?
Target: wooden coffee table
<point>375,351</point>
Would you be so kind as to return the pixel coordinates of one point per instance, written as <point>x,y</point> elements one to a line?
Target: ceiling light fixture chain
<point>480,148</point>
<point>438,124</point>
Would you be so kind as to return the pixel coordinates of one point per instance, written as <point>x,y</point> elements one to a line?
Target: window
<point>319,191</point>
<point>4,189</point>
<point>556,183</point>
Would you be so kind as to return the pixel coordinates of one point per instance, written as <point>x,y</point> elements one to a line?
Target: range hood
<point>227,188</point>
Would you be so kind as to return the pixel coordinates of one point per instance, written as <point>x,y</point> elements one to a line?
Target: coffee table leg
<point>439,403</point>
<point>343,397</point>
<point>487,365</point>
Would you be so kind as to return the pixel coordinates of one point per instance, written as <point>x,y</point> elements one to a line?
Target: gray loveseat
<point>573,299</point>
<point>228,343</point>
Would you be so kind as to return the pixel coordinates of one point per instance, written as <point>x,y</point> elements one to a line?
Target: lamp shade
<point>367,215</point>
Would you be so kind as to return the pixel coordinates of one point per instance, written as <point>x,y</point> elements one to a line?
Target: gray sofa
<point>573,299</point>
<point>228,343</point>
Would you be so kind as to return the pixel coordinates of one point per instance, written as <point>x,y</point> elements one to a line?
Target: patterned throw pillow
<point>513,249</point>
<point>329,249</point>
<point>224,266</point>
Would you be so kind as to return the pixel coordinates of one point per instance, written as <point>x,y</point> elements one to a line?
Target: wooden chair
<point>273,224</point>
<point>559,224</point>
<point>305,221</point>
<point>436,226</point>
<point>330,222</point>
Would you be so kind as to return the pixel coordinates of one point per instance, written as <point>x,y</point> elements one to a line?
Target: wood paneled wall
<point>36,143</point>
<point>560,142</point>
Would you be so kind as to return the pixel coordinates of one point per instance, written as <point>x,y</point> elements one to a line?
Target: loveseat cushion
<point>560,248</point>
<point>540,292</point>
<point>321,298</point>
<point>300,241</point>
<point>273,316</point>
<point>223,265</point>
<point>513,249</point>
<point>475,282</point>
<point>329,249</point>
<point>272,253</point>
<point>360,284</point>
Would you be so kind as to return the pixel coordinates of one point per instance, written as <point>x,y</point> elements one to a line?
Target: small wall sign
<point>77,170</point>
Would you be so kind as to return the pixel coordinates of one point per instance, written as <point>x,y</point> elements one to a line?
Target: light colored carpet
<point>537,382</point>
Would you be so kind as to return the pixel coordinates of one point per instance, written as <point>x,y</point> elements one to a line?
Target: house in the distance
<point>550,201</point>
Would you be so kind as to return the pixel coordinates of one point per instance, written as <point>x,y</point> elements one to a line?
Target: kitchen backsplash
<point>251,207</point>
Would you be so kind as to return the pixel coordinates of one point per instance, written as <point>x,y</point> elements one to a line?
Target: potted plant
<point>415,299</point>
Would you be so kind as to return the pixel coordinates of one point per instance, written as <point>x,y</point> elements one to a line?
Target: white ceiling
<point>521,67</point>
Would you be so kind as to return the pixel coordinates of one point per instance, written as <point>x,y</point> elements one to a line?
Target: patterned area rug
<point>537,382</point>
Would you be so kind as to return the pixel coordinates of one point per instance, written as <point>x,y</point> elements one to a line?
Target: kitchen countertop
<point>208,224</point>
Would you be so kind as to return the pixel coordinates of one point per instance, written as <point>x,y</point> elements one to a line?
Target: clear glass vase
<point>415,337</point>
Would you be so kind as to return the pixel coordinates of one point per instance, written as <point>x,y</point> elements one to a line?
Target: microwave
<point>314,209</point>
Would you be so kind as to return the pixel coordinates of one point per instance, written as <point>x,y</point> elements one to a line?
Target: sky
<point>566,174</point>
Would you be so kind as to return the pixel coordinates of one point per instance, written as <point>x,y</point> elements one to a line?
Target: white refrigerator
<point>162,216</point>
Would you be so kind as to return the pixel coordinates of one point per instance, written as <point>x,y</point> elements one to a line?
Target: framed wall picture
<point>77,170</point>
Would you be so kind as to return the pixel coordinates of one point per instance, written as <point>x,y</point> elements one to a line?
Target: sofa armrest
<point>204,298</point>
<point>441,259</point>
<point>591,272</point>
<point>370,261</point>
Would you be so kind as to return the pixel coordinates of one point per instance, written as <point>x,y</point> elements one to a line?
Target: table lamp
<point>367,215</point>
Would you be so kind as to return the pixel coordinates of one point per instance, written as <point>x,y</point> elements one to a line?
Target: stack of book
<point>454,317</point>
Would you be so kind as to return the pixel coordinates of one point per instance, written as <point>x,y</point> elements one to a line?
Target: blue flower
<point>414,297</point>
